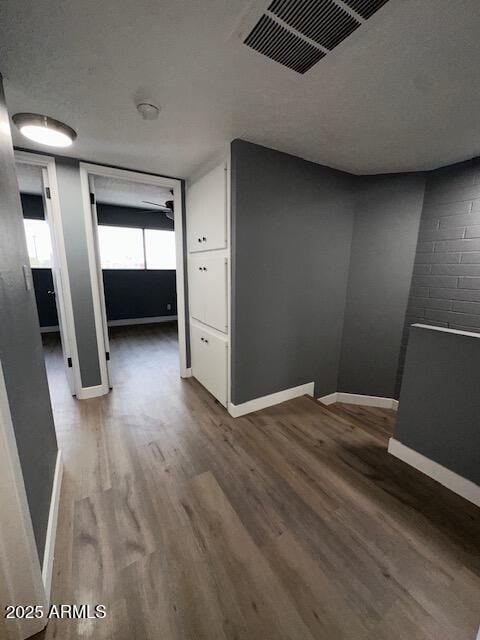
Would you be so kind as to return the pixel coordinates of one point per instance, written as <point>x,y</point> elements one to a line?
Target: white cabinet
<point>207,212</point>
<point>207,285</point>
<point>210,361</point>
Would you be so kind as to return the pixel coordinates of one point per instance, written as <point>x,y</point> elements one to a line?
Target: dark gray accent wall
<point>70,194</point>
<point>46,306</point>
<point>128,293</point>
<point>138,293</point>
<point>445,288</point>
<point>131,217</point>
<point>32,206</point>
<point>387,218</point>
<point>291,231</point>
<point>21,352</point>
<point>439,401</point>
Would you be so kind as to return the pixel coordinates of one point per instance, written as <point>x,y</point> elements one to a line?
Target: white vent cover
<point>299,33</point>
<point>365,8</point>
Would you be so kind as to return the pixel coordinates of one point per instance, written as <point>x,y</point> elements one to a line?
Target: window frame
<point>144,247</point>
<point>45,221</point>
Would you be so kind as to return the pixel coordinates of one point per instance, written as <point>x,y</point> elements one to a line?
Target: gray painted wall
<point>21,351</point>
<point>70,194</point>
<point>387,218</point>
<point>439,400</point>
<point>291,231</point>
<point>445,287</point>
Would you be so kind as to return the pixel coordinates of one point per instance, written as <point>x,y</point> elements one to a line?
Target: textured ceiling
<point>129,194</point>
<point>29,178</point>
<point>401,93</point>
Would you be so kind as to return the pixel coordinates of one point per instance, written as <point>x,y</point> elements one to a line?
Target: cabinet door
<point>207,212</point>
<point>198,354</point>
<point>209,362</point>
<point>196,287</point>
<point>214,274</point>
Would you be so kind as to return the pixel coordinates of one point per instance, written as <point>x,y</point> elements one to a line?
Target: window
<point>39,243</point>
<point>129,248</point>
<point>121,247</point>
<point>160,249</point>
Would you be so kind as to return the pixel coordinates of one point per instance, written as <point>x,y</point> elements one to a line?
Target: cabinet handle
<point>204,239</point>
<point>199,239</point>
<point>206,341</point>
<point>202,339</point>
<point>199,268</point>
<point>204,268</point>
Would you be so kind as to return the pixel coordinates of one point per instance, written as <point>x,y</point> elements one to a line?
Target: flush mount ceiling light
<point>148,110</point>
<point>44,130</point>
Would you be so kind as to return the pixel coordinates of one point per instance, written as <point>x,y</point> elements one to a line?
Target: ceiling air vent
<point>365,8</point>
<point>299,33</point>
<point>320,20</point>
<point>274,41</point>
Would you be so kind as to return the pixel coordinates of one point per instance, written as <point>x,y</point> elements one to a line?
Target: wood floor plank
<point>267,610</point>
<point>321,605</point>
<point>292,522</point>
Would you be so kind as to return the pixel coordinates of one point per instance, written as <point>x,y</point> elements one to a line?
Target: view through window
<point>39,243</point>
<point>132,248</point>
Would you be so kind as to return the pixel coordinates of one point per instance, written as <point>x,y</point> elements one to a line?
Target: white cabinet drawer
<point>210,361</point>
<point>207,212</point>
<point>208,293</point>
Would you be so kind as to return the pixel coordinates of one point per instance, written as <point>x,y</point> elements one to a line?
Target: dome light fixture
<point>44,130</point>
<point>148,110</point>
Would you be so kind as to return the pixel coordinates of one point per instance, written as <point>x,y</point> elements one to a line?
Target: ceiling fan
<point>166,208</point>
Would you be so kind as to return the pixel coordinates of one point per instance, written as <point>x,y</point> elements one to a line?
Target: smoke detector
<point>148,110</point>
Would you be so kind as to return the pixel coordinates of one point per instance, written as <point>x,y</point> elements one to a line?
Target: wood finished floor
<point>293,522</point>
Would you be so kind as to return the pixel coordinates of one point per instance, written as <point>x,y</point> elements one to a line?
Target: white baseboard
<point>187,373</point>
<point>330,399</point>
<point>463,487</point>
<point>49,553</point>
<point>150,320</point>
<point>92,392</point>
<point>51,329</point>
<point>356,398</point>
<point>237,410</point>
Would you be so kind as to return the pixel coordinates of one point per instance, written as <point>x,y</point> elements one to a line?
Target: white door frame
<point>64,306</point>
<point>96,246</point>
<point>89,169</point>
<point>21,575</point>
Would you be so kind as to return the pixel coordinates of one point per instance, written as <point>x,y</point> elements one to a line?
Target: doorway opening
<point>136,234</point>
<point>48,272</point>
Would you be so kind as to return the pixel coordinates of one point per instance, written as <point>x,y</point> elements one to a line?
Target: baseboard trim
<point>92,392</point>
<point>187,373</point>
<point>237,410</point>
<point>356,398</point>
<point>456,483</point>
<point>49,553</point>
<point>51,329</point>
<point>330,399</point>
<point>150,320</point>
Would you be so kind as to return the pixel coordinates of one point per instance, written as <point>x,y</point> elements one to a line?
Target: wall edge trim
<point>449,479</point>
<point>92,392</point>
<point>49,553</point>
<point>357,398</point>
<point>329,399</point>
<point>237,410</point>
<point>146,320</point>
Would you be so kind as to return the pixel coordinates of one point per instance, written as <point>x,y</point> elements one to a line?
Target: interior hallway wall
<point>21,352</point>
<point>387,218</point>
<point>445,288</point>
<point>70,195</point>
<point>128,292</point>
<point>292,224</point>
